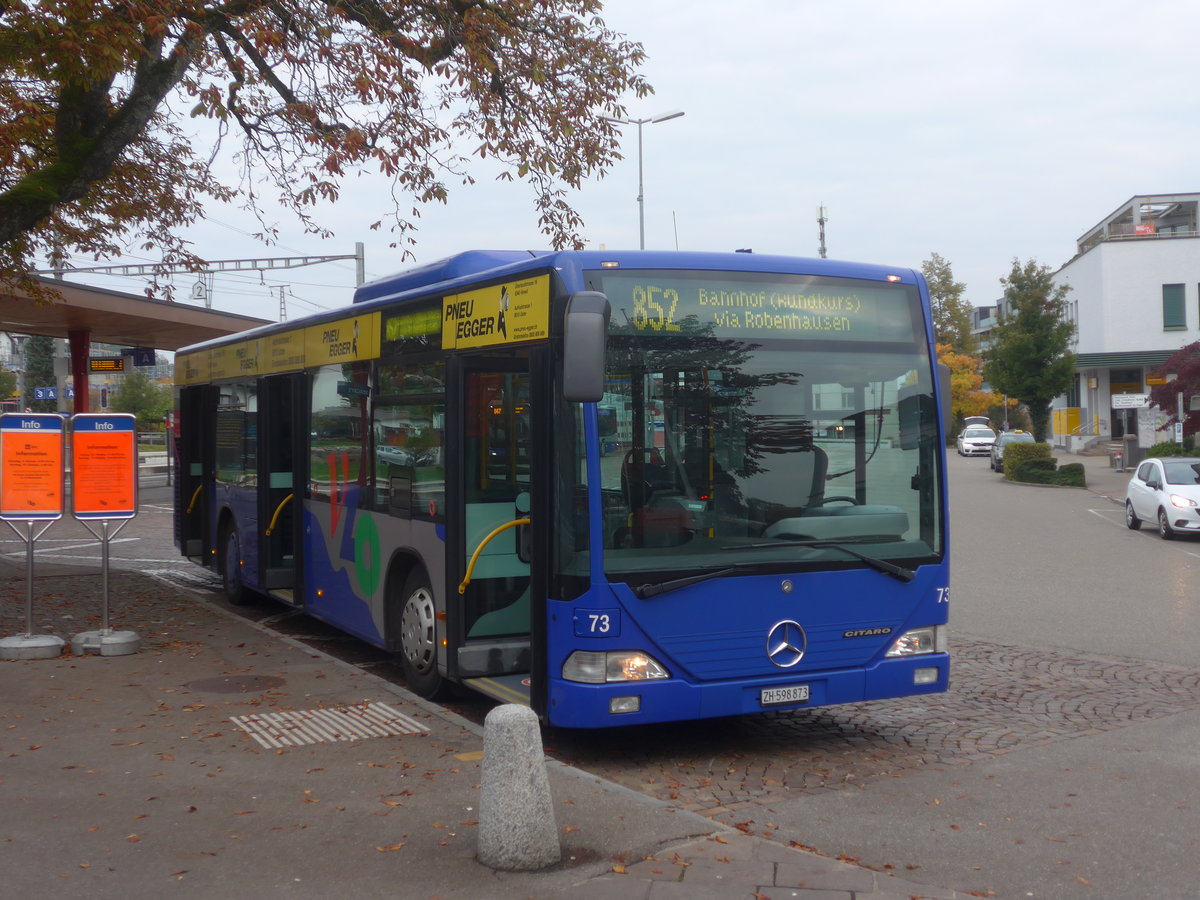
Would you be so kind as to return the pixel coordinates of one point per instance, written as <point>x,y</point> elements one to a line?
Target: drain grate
<point>298,728</point>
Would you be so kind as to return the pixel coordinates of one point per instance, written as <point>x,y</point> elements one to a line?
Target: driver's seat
<point>812,467</point>
<point>816,466</point>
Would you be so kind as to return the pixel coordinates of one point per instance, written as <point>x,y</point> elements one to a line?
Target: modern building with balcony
<point>1135,300</point>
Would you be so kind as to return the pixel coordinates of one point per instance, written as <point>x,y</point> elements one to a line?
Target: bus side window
<point>408,424</point>
<point>339,465</point>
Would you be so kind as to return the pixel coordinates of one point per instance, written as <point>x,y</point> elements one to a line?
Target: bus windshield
<point>766,420</point>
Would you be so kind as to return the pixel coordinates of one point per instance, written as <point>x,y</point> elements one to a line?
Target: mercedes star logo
<point>786,643</point>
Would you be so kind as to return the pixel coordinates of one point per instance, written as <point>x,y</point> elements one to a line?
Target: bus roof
<point>465,269</point>
<point>474,264</point>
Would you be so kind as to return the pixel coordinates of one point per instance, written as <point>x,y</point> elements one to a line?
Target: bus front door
<point>280,501</point>
<point>491,594</point>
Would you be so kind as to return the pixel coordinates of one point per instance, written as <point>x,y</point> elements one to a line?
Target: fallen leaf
<point>390,847</point>
<point>618,868</point>
<point>1083,881</point>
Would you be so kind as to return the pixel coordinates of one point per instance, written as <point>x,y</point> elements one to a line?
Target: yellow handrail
<point>195,497</point>
<point>462,588</point>
<point>275,518</point>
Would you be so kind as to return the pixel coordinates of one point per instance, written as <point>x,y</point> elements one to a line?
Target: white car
<point>975,440</point>
<point>1165,491</point>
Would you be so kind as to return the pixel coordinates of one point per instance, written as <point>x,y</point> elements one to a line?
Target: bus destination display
<point>744,306</point>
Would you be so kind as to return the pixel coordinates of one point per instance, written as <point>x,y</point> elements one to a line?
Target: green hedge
<point>1167,448</point>
<point>1071,475</point>
<point>1034,464</point>
<point>1015,454</point>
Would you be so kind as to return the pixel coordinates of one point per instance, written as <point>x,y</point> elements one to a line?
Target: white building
<point>1135,300</point>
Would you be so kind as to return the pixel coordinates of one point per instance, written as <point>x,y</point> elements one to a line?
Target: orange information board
<point>104,466</point>
<point>31,466</point>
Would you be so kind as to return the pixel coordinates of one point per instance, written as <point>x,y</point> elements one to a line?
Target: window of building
<point>1174,313</point>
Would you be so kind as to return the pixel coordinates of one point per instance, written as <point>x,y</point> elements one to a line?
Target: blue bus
<point>619,487</point>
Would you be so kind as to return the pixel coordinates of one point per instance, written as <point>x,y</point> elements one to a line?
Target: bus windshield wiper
<point>653,590</point>
<point>879,565</point>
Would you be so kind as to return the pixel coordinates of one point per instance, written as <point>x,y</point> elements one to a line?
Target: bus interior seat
<point>813,466</point>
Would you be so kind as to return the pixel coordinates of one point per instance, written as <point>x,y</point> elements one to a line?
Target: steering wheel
<point>652,456</point>
<point>825,500</point>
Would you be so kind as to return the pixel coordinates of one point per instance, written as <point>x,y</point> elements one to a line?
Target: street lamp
<point>641,198</point>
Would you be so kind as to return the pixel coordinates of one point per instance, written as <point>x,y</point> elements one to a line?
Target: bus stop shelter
<point>84,315</point>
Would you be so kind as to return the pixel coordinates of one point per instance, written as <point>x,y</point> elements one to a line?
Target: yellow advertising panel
<point>500,314</point>
<point>233,361</point>
<point>191,368</point>
<point>282,352</point>
<point>345,340</point>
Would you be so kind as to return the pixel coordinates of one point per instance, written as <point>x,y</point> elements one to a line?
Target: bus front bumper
<point>575,705</point>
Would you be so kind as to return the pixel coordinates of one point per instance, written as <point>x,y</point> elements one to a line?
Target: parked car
<point>975,440</point>
<point>1004,439</point>
<point>1165,491</point>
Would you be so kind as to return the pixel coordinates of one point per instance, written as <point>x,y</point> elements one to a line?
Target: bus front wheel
<point>418,638</point>
<point>231,569</point>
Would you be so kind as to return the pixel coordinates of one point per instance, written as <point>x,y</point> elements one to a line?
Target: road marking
<point>321,726</point>
<point>1117,517</point>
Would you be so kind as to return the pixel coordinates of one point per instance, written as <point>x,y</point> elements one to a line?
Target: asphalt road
<point>1057,568</point>
<point>1061,763</point>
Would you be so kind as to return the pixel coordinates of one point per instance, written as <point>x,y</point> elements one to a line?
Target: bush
<point>1015,454</point>
<point>1034,464</point>
<point>1038,470</point>
<point>1167,448</point>
<point>1071,475</point>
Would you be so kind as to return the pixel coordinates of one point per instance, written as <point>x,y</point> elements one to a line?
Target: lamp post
<point>641,198</point>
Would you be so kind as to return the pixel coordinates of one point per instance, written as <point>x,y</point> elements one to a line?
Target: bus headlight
<point>930,639</point>
<point>593,667</point>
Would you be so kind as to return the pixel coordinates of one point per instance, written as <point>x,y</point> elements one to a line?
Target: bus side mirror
<point>915,427</point>
<point>585,333</point>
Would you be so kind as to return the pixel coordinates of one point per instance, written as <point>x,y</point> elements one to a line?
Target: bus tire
<point>418,638</point>
<point>231,568</point>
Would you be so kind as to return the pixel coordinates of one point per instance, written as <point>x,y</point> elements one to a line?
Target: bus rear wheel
<point>231,569</point>
<point>418,638</point>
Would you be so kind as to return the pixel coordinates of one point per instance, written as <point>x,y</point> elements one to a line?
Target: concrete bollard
<point>517,830</point>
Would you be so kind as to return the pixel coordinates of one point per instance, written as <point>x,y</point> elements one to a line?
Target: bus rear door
<point>194,465</point>
<point>280,486</point>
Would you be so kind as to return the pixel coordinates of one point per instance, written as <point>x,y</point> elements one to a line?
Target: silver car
<point>1167,492</point>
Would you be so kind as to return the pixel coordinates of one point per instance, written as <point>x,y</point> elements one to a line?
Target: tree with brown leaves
<point>104,103</point>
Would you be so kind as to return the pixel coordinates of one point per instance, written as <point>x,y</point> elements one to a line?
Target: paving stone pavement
<point>1001,697</point>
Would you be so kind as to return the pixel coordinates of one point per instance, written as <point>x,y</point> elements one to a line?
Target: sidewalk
<point>1101,477</point>
<point>126,776</point>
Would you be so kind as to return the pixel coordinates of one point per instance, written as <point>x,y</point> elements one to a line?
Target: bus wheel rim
<point>417,626</point>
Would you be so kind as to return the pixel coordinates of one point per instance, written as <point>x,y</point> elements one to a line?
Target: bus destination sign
<point>745,305</point>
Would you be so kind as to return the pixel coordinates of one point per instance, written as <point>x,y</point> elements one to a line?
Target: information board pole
<point>31,492</point>
<point>104,486</point>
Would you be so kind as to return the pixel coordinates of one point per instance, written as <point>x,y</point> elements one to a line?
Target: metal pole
<point>29,539</point>
<point>104,628</point>
<point>641,193</point>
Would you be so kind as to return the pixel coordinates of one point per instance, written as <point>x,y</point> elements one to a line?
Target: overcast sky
<point>981,130</point>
